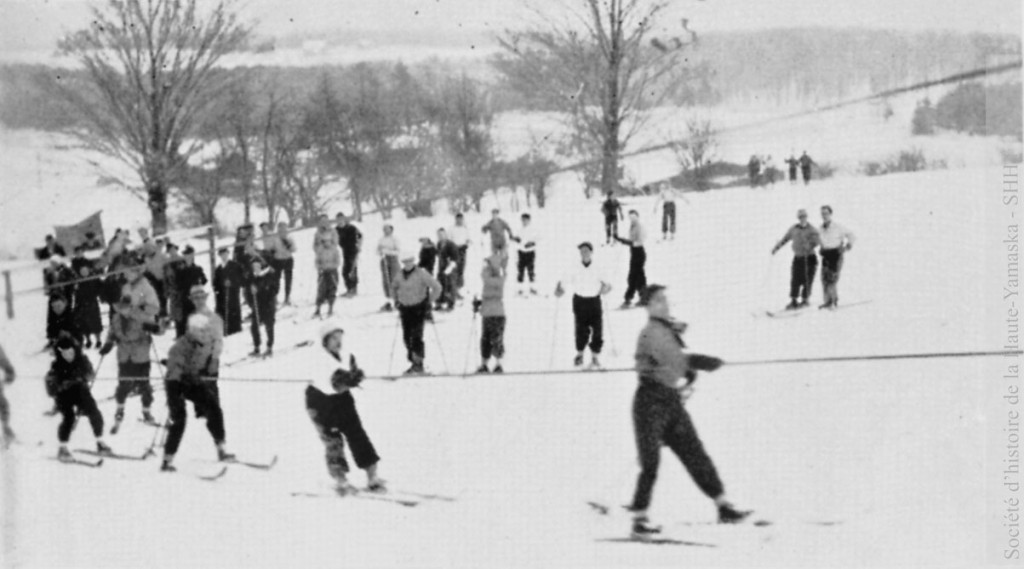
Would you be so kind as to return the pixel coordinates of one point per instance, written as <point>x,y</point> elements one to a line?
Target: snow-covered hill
<point>894,453</point>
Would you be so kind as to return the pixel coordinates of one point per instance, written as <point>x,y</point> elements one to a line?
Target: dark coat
<point>264,286</point>
<point>428,256</point>
<point>228,280</point>
<point>87,306</point>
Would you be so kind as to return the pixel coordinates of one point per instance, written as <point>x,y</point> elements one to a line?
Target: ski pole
<point>469,344</point>
<point>608,329</point>
<point>150,451</point>
<point>554,334</point>
<point>440,348</point>
<point>394,342</point>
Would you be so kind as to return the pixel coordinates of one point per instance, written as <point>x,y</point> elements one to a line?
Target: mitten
<point>106,349</point>
<point>705,363</point>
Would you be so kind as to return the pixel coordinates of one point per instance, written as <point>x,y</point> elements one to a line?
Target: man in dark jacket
<point>805,240</point>
<point>227,287</point>
<point>350,239</point>
<point>612,210</point>
<point>264,286</point>
<point>447,270</point>
<point>666,373</point>
<point>189,275</point>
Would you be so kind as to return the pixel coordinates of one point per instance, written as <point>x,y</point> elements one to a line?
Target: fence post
<point>8,295</point>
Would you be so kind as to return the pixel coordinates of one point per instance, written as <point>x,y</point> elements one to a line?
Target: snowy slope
<point>888,451</point>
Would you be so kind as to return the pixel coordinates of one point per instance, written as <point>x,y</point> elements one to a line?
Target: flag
<point>71,236</point>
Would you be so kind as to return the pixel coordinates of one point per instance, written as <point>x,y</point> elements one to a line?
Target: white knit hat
<point>329,328</point>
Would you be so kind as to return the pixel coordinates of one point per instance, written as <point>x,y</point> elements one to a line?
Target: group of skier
<point>832,240</point>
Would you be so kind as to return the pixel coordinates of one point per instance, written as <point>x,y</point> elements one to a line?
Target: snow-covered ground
<point>892,452</point>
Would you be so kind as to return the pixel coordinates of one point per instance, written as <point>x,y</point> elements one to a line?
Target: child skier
<point>332,409</point>
<point>68,379</point>
<point>492,310</point>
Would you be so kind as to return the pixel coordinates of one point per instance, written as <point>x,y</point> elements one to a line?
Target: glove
<point>107,347</point>
<point>705,363</point>
<point>477,303</point>
<point>775,250</point>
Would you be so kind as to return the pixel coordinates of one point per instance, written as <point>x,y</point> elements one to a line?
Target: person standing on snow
<point>805,239</point>
<point>131,329</point>
<point>665,373</point>
<point>459,234</point>
<point>498,228</point>
<point>387,249</point>
<point>325,247</point>
<point>191,362</point>
<point>612,210</point>
<point>68,379</point>
<point>637,279</point>
<point>189,275</point>
<point>332,409</point>
<point>525,266</point>
<point>491,307</point>
<point>836,240</point>
<point>414,290</point>
<point>666,199</point>
<point>805,167</point>
<point>588,284</point>
<point>5,406</point>
<point>792,163</point>
<point>284,260</point>
<point>88,317</point>
<point>264,284</point>
<point>350,239</point>
<point>447,270</point>
<point>227,290</point>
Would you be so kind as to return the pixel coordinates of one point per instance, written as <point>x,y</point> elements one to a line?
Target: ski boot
<point>643,529</point>
<point>415,369</point>
<point>728,514</point>
<point>255,353</point>
<point>498,369</point>
<point>826,306</point>
<point>64,455</point>
<point>483,369</point>
<point>625,305</point>
<point>387,307</point>
<point>377,485</point>
<point>345,488</point>
<point>595,363</point>
<point>269,353</point>
<point>118,418</point>
<point>103,449</point>
<point>578,360</point>
<point>167,466</point>
<point>148,418</point>
<point>224,456</point>
<point>792,305</point>
<point>803,304</point>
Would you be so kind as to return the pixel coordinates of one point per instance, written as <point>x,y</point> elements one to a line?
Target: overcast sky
<point>27,25</point>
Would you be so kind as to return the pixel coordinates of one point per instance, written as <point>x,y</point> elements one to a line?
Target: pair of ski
<point>263,356</point>
<point>397,497</point>
<point>117,425</point>
<point>223,468</point>
<point>794,312</point>
<point>99,457</point>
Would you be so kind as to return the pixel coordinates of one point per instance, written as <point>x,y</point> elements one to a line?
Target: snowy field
<point>889,458</point>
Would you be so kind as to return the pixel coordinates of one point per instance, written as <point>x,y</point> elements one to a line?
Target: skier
<point>637,280</point>
<point>189,274</point>
<point>156,259</point>
<point>754,170</point>
<point>612,210</point>
<point>69,379</point>
<point>190,362</point>
<point>227,287</point>
<point>666,373</point>
<point>835,241</point>
<point>492,309</point>
<point>325,245</point>
<point>428,255</point>
<point>459,234</point>
<point>50,249</point>
<point>131,329</point>
<point>447,270</point>
<point>805,239</point>
<point>414,290</point>
<point>88,317</point>
<point>666,198</point>
<point>332,409</point>
<point>274,248</point>
<point>805,167</point>
<point>387,250</point>
<point>792,163</point>
<point>5,407</point>
<point>498,229</point>
<point>525,266</point>
<point>58,277</point>
<point>264,285</point>
<point>351,241</point>
<point>284,261</point>
<point>588,284</point>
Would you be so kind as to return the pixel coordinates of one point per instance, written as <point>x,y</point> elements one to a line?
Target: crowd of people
<point>761,169</point>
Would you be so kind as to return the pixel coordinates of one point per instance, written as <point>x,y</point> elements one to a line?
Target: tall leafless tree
<point>150,68</point>
<point>602,65</point>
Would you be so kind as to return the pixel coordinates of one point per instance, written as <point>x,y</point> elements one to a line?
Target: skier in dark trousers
<point>387,249</point>
<point>637,279</point>
<point>805,167</point>
<point>189,275</point>
<point>227,288</point>
<point>191,362</point>
<point>666,373</point>
<point>5,406</point>
<point>836,240</point>
<point>792,163</point>
<point>459,235</point>
<point>805,240</point>
<point>350,239</point>
<point>526,265</point>
<point>428,255</point>
<point>68,379</point>
<point>666,198</point>
<point>131,331</point>
<point>612,210</point>
<point>325,246</point>
<point>332,409</point>
<point>88,316</point>
<point>491,307</point>
<point>274,248</point>
<point>447,270</point>
<point>264,285</point>
<point>498,229</point>
<point>588,284</point>
<point>60,319</point>
<point>414,290</point>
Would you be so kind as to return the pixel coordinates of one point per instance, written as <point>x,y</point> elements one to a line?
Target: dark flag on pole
<point>88,232</point>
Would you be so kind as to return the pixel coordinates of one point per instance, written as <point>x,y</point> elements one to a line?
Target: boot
<point>386,308</point>
<point>103,448</point>
<point>792,305</point>
<point>147,417</point>
<point>255,353</point>
<point>377,484</point>
<point>498,369</point>
<point>803,304</point>
<point>578,360</point>
<point>64,455</point>
<point>223,455</point>
<point>166,465</point>
<point>269,353</point>
<point>625,305</point>
<point>345,488</point>
<point>483,369</point>
<point>642,528</point>
<point>728,514</point>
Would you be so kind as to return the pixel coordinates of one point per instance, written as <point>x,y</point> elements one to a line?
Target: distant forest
<point>779,67</point>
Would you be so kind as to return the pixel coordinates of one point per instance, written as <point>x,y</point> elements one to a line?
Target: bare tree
<point>150,76</point>
<point>696,150</point>
<point>597,67</point>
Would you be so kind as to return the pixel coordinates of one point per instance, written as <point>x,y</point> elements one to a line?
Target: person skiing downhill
<point>589,284</point>
<point>191,363</point>
<point>805,239</point>
<point>836,240</point>
<point>332,409</point>
<point>666,373</point>
<point>414,291</point>
<point>637,279</point>
<point>69,380</point>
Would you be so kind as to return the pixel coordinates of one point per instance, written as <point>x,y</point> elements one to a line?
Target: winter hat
<point>257,259</point>
<point>409,256</point>
<point>65,341</point>
<point>57,295</point>
<point>329,328</point>
<point>587,245</point>
<point>188,250</point>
